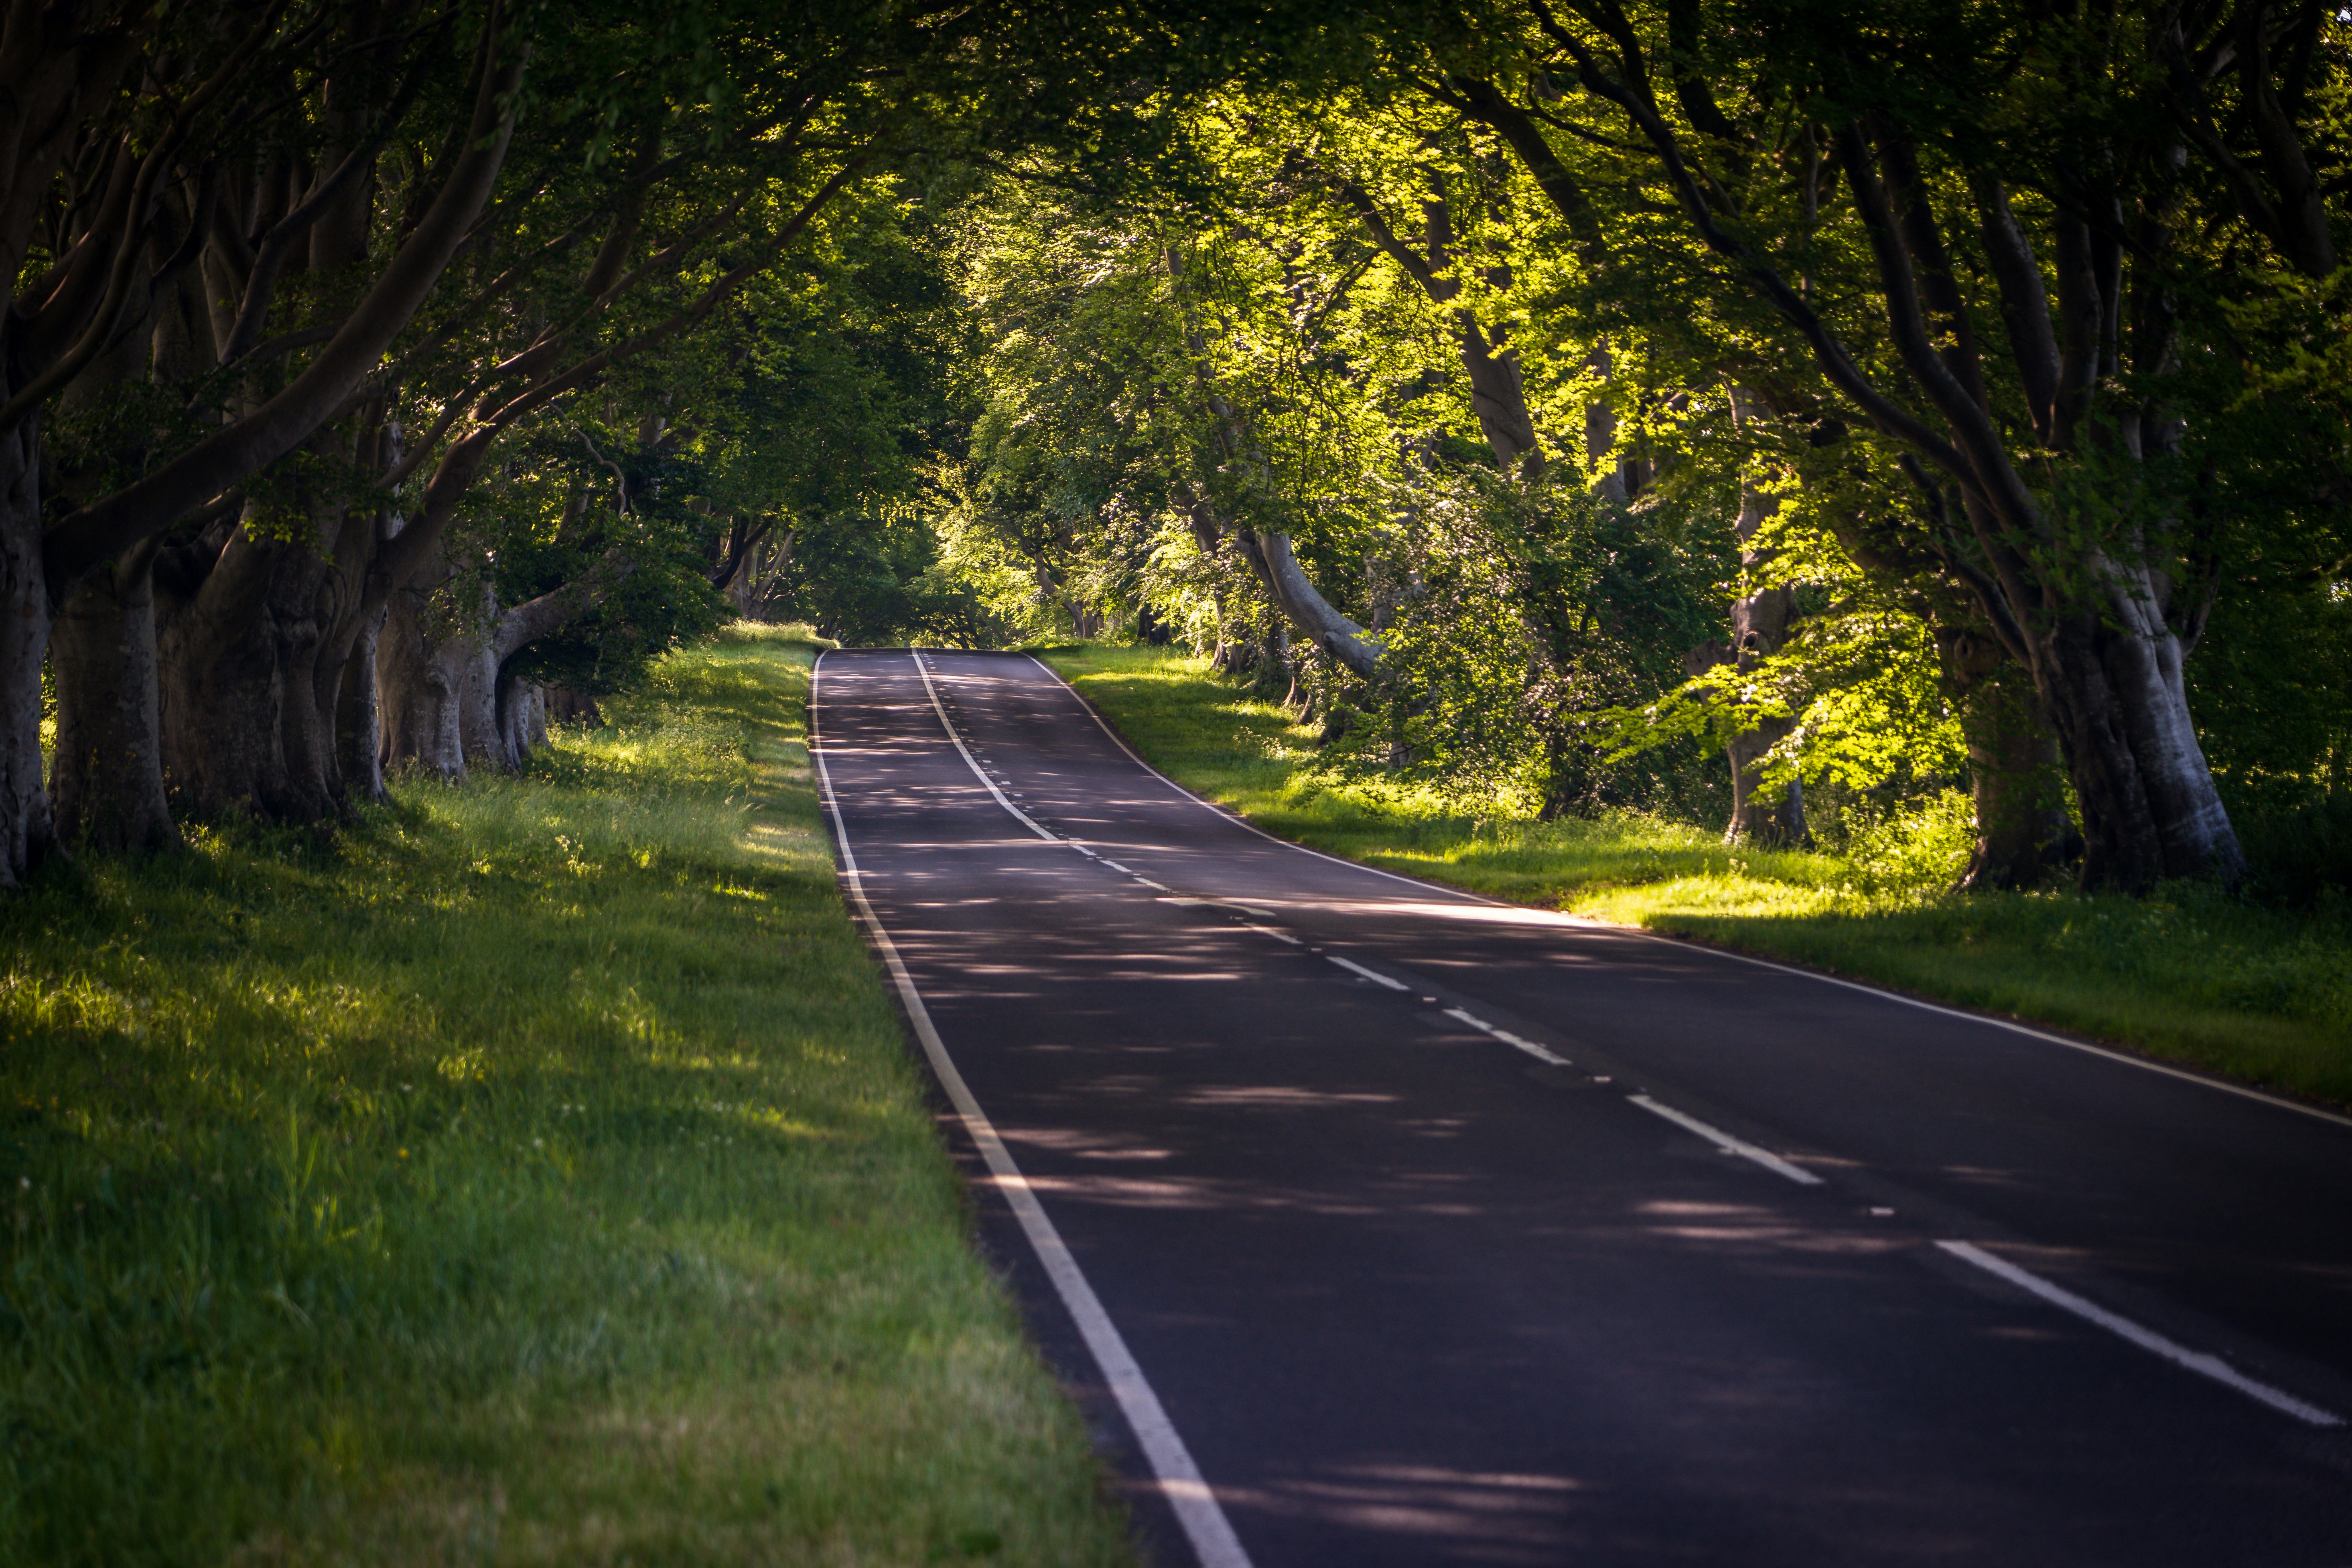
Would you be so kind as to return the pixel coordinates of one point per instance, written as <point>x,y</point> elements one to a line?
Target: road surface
<point>1380,1223</point>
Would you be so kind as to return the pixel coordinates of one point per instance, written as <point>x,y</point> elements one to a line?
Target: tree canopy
<point>1747,409</point>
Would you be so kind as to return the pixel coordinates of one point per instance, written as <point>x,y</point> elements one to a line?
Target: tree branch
<point>106,528</point>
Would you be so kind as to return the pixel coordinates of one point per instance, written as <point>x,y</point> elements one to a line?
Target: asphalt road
<point>1756,1268</point>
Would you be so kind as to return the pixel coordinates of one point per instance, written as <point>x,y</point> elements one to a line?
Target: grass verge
<point>2190,975</point>
<point>534,1173</point>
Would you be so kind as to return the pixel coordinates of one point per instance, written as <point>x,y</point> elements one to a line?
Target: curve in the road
<point>1411,1303</point>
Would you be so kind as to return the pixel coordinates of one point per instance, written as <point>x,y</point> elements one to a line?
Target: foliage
<point>1531,612</point>
<point>869,579</point>
<point>1122,353</point>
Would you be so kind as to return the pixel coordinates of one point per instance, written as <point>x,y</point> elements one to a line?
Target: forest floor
<point>533,1172</point>
<point>2191,975</point>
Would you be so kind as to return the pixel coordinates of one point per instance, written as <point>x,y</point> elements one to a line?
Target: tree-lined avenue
<point>1412,1294</point>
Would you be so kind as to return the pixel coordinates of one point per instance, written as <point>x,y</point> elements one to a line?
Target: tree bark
<point>27,835</point>
<point>451,702</point>
<point>107,783</point>
<point>1269,554</point>
<point>1600,436</point>
<point>359,721</point>
<point>254,664</point>
<point>2024,833</point>
<point>2150,810</point>
<point>421,680</point>
<point>521,719</point>
<point>568,705</point>
<point>2015,770</point>
<point>477,704</point>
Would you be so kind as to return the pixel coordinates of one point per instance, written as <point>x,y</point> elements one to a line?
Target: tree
<point>291,410</point>
<point>2000,245</point>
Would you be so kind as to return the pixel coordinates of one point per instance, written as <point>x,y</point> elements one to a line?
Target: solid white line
<point>1196,1508</point>
<point>922,668</point>
<point>2011,1025</point>
<point>1371,974</point>
<point>1508,1038</point>
<point>2178,1356</point>
<point>1728,1143</point>
<point>1587,922</point>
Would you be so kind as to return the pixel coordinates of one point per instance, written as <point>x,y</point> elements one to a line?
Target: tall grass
<point>2193,974</point>
<point>532,1172</point>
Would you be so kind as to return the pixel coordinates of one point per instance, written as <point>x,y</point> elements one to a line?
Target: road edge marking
<point>1727,1143</point>
<point>2148,1339</point>
<point>1181,1481</point>
<point>2123,1059</point>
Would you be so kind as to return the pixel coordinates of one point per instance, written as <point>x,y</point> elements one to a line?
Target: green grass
<point>533,1173</point>
<point>2192,974</point>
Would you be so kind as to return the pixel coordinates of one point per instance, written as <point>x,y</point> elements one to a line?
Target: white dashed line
<point>922,668</point>
<point>1509,1038</point>
<point>1371,974</point>
<point>1728,1143</point>
<point>2148,1340</point>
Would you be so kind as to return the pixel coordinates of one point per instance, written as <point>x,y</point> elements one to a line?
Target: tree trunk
<point>564,704</point>
<point>2014,768</point>
<point>420,684</point>
<point>1759,624</point>
<point>522,718</point>
<point>1608,482</point>
<point>1287,583</point>
<point>248,702</point>
<point>107,783</point>
<point>359,722</point>
<point>27,833</point>
<point>1760,815</point>
<point>478,702</point>
<point>449,702</point>
<point>2150,807</point>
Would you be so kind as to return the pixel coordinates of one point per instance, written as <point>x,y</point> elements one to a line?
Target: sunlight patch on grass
<point>533,1173</point>
<point>2190,975</point>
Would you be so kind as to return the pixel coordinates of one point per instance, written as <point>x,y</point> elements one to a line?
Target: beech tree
<point>114,262</point>
<point>1988,259</point>
<point>1882,398</point>
<point>300,297</point>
